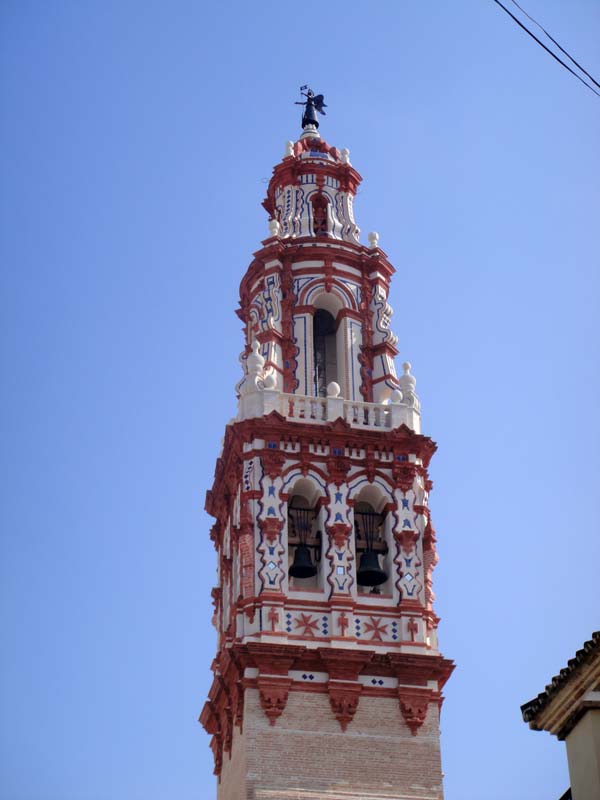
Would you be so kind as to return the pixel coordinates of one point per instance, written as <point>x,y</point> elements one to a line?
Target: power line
<point>562,49</point>
<point>547,49</point>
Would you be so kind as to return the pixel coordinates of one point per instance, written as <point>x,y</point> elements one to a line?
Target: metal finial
<point>314,103</point>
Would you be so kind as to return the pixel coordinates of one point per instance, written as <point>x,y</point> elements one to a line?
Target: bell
<point>369,572</point>
<point>303,566</point>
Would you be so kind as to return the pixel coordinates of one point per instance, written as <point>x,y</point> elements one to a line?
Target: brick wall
<point>232,785</point>
<point>306,756</point>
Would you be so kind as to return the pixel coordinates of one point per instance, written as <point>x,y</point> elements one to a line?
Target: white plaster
<point>583,756</point>
<point>318,677</point>
<point>308,264</point>
<point>378,681</point>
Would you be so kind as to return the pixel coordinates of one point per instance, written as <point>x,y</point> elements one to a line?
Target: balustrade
<point>303,407</point>
<point>357,414</point>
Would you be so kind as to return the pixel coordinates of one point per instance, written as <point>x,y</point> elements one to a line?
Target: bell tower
<point>328,678</point>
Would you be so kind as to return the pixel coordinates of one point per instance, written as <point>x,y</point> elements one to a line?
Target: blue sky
<point>136,144</point>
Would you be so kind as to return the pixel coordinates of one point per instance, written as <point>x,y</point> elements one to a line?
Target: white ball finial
<point>289,149</point>
<point>270,382</point>
<point>345,156</point>
<point>274,227</point>
<point>396,397</point>
<point>333,389</point>
<point>374,239</point>
<point>407,381</point>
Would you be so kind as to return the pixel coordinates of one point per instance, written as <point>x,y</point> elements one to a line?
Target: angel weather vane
<point>312,105</point>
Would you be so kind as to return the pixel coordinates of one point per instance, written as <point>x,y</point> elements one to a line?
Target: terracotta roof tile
<point>531,709</point>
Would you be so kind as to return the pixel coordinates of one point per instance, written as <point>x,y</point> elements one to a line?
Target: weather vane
<point>312,104</point>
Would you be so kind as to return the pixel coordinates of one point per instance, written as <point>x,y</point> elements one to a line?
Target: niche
<point>320,222</point>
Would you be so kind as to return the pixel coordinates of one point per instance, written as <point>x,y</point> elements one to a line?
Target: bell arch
<point>304,539</point>
<point>372,540</point>
<point>341,304</point>
<point>327,341</point>
<point>325,351</point>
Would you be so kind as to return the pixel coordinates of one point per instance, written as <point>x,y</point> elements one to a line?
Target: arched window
<point>304,543</point>
<point>319,215</point>
<point>371,545</point>
<point>325,351</point>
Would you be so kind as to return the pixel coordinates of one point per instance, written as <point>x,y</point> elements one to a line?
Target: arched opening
<point>320,222</point>
<point>370,546</point>
<point>304,543</point>
<point>324,350</point>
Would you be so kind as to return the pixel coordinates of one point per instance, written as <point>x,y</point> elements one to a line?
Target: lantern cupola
<point>323,534</point>
<point>311,192</point>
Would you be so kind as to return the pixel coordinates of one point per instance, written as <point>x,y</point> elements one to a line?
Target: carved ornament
<point>344,698</point>
<point>273,692</point>
<point>339,532</point>
<point>338,468</point>
<point>407,540</point>
<point>404,475</point>
<point>272,461</point>
<point>414,703</point>
<point>271,528</point>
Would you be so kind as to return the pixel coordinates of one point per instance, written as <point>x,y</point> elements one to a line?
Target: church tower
<point>328,678</point>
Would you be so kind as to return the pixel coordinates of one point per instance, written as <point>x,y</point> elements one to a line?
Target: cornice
<point>273,664</point>
<point>309,248</point>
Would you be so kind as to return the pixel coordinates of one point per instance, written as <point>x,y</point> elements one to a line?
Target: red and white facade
<point>321,682</point>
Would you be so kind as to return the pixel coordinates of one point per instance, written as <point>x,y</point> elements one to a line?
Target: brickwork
<point>232,784</point>
<point>306,756</point>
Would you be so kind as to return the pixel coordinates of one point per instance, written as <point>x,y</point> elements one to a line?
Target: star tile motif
<point>308,624</point>
<point>376,628</point>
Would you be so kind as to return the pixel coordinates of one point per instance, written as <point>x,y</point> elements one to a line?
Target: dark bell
<point>369,572</point>
<point>303,566</point>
